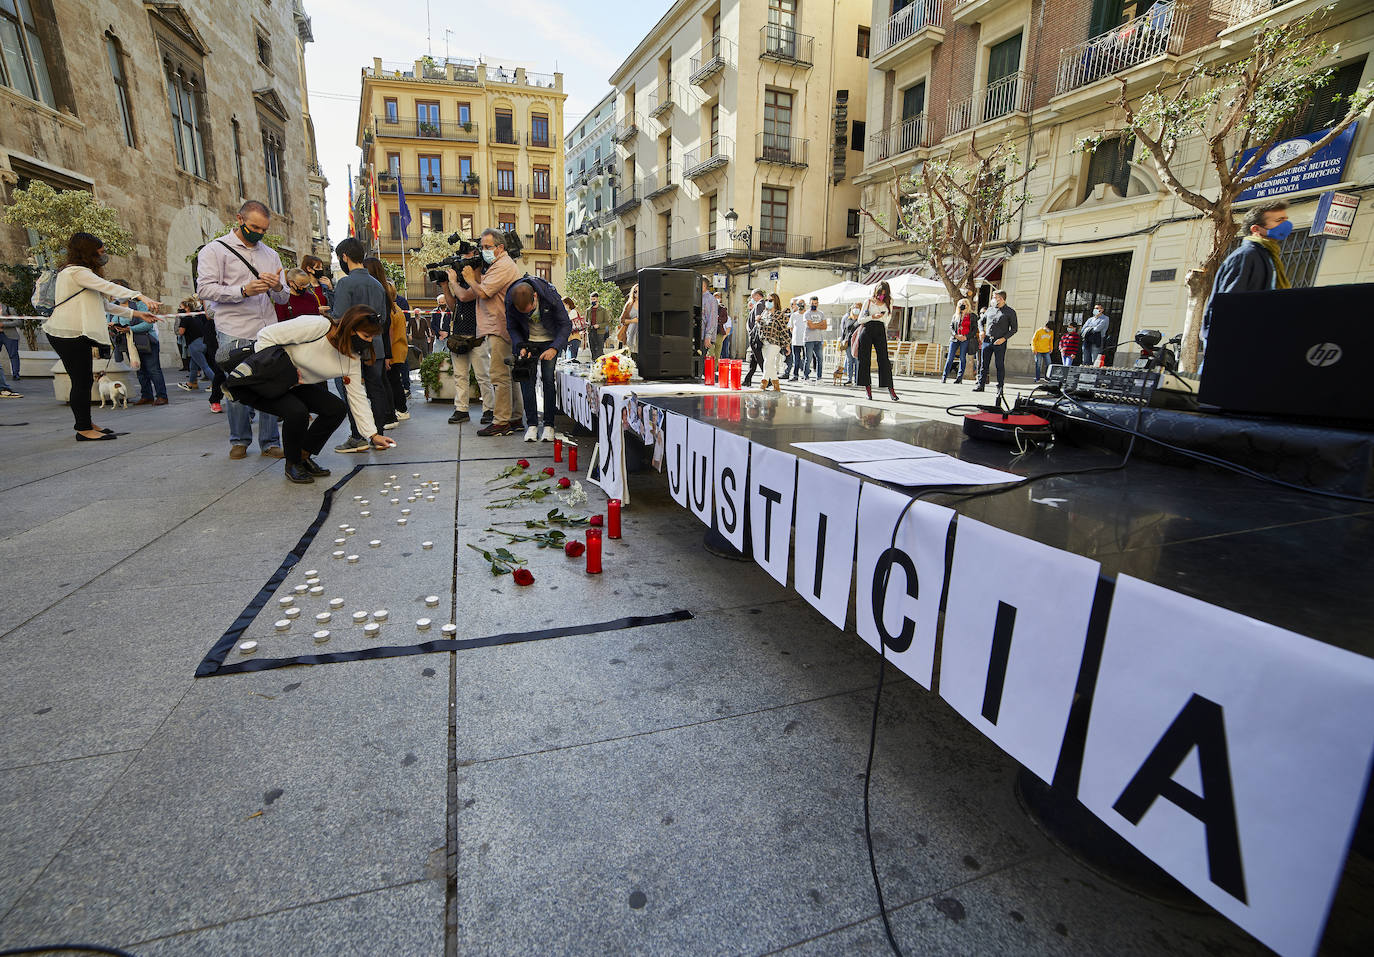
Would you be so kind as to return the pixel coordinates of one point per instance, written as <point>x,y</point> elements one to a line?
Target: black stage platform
<point>1289,558</point>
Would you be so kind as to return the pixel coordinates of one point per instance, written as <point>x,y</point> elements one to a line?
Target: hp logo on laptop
<point>1324,354</point>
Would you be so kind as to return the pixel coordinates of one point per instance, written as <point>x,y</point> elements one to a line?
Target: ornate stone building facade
<point>171,113</point>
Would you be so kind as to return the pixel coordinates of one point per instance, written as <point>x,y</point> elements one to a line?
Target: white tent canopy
<point>910,289</point>
<point>843,293</point>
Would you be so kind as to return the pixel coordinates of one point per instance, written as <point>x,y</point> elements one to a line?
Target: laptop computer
<point>1302,353</point>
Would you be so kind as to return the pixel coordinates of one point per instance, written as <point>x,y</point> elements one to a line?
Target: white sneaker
<point>546,435</point>
<point>402,416</point>
<point>532,434</point>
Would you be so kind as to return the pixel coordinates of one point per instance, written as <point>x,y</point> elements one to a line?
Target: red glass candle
<point>572,458</point>
<point>723,374</point>
<point>613,518</point>
<point>593,551</point>
<point>710,369</point>
<point>735,373</point>
<point>558,450</point>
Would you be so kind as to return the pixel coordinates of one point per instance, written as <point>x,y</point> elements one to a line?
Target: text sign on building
<point>1326,167</point>
<point>1335,215</point>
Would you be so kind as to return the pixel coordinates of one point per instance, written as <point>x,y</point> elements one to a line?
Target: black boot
<point>311,467</point>
<point>298,474</point>
<point>458,418</point>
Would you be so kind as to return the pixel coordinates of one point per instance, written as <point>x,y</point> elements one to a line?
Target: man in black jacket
<point>998,324</point>
<point>539,327</point>
<point>1254,265</point>
<point>359,288</point>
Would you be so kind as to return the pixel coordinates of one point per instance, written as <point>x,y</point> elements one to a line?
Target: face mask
<point>1097,312</point>
<point>1281,231</point>
<point>344,266</point>
<point>102,259</point>
<point>249,236</point>
<point>488,256</point>
<point>360,344</point>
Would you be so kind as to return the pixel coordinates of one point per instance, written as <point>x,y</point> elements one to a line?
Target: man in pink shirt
<point>239,276</point>
<point>489,291</point>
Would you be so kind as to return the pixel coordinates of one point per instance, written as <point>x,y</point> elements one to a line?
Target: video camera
<point>469,254</point>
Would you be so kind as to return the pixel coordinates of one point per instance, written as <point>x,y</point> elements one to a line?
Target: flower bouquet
<point>614,368</point>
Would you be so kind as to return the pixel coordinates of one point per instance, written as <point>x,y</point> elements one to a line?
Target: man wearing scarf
<point>1255,265</point>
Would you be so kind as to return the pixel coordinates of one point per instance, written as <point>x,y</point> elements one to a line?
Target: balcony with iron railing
<point>627,200</point>
<point>1243,10</point>
<point>785,45</point>
<point>626,129</point>
<point>1008,96</point>
<point>902,137</point>
<point>497,136</point>
<point>911,30</point>
<point>415,127</point>
<point>662,180</point>
<point>507,190</point>
<point>541,140</point>
<point>780,150</point>
<point>1156,33</point>
<point>708,157</point>
<point>661,100</point>
<point>428,185</point>
<point>549,192</point>
<point>453,70</point>
<point>779,243</point>
<point>710,61</point>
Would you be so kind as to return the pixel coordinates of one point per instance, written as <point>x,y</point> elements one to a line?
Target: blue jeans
<point>813,358</point>
<point>798,357</point>
<point>199,364</point>
<point>851,366</point>
<point>150,382</point>
<point>240,416</point>
<point>545,373</point>
<point>958,355</point>
<point>990,353</point>
<point>12,347</point>
<point>1092,347</point>
<point>1042,364</point>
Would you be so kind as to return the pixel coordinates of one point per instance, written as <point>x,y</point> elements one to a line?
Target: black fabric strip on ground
<point>429,647</point>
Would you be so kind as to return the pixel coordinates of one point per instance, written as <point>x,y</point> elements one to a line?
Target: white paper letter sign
<point>675,436</point>
<point>732,485</point>
<point>1234,754</point>
<point>1016,621</point>
<point>827,510</point>
<point>772,491</point>
<point>701,441</point>
<point>897,587</point>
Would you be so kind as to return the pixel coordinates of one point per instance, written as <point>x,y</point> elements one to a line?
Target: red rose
<point>548,470</point>
<point>564,483</point>
<point>523,463</point>
<point>595,520</point>
<point>523,576</point>
<point>574,549</point>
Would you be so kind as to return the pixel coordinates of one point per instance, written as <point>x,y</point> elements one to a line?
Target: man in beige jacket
<point>489,291</point>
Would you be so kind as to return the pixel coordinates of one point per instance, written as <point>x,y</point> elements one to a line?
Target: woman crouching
<point>320,351</point>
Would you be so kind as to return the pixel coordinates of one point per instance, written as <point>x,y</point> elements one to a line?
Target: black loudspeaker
<point>669,324</point>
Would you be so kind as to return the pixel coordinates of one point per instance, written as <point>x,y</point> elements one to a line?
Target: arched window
<point>114,52</point>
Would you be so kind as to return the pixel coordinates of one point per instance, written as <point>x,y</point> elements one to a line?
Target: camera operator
<point>458,333</point>
<point>488,291</point>
<point>539,327</point>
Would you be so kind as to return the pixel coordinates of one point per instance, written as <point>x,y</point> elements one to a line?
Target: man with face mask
<point>1095,331</point>
<point>242,277</point>
<point>489,292</point>
<point>1256,264</point>
<point>539,328</point>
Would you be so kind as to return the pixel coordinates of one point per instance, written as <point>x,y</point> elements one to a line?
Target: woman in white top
<point>629,321</point>
<point>875,315</point>
<point>320,351</point>
<point>78,324</point>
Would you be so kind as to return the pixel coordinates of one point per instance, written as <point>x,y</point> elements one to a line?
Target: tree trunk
<point>1200,290</point>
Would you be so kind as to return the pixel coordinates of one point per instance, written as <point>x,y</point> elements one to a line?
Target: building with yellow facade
<point>472,145</point>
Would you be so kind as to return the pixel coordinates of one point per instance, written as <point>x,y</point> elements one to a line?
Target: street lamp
<point>746,236</point>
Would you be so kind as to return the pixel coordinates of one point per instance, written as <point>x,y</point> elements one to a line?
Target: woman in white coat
<point>320,350</point>
<point>78,324</point>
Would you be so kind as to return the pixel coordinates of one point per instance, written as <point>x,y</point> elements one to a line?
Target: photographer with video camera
<point>457,329</point>
<point>488,291</point>
<point>539,328</point>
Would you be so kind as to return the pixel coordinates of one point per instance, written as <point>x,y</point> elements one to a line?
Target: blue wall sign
<point>1323,168</point>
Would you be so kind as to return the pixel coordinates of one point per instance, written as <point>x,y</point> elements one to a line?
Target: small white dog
<point>112,390</point>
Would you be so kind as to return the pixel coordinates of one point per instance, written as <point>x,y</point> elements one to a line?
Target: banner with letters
<point>1233,753</point>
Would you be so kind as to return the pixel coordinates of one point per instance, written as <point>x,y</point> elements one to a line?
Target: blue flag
<point>405,210</point>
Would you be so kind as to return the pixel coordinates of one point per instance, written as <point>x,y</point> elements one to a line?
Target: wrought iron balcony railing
<point>907,22</point>
<point>626,129</point>
<point>1156,32</point>
<point>427,185</point>
<point>416,127</point>
<point>777,42</point>
<point>909,134</point>
<point>661,180</point>
<point>710,60</point>
<point>707,157</point>
<point>780,150</point>
<point>1010,94</point>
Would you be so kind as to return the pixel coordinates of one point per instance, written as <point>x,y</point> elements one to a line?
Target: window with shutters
<point>539,179</point>
<point>1328,105</point>
<point>505,179</point>
<point>863,43</point>
<point>1110,164</point>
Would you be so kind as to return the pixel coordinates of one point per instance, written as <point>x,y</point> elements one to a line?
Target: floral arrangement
<point>614,368</point>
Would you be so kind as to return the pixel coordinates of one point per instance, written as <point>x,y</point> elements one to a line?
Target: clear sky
<point>582,39</point>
